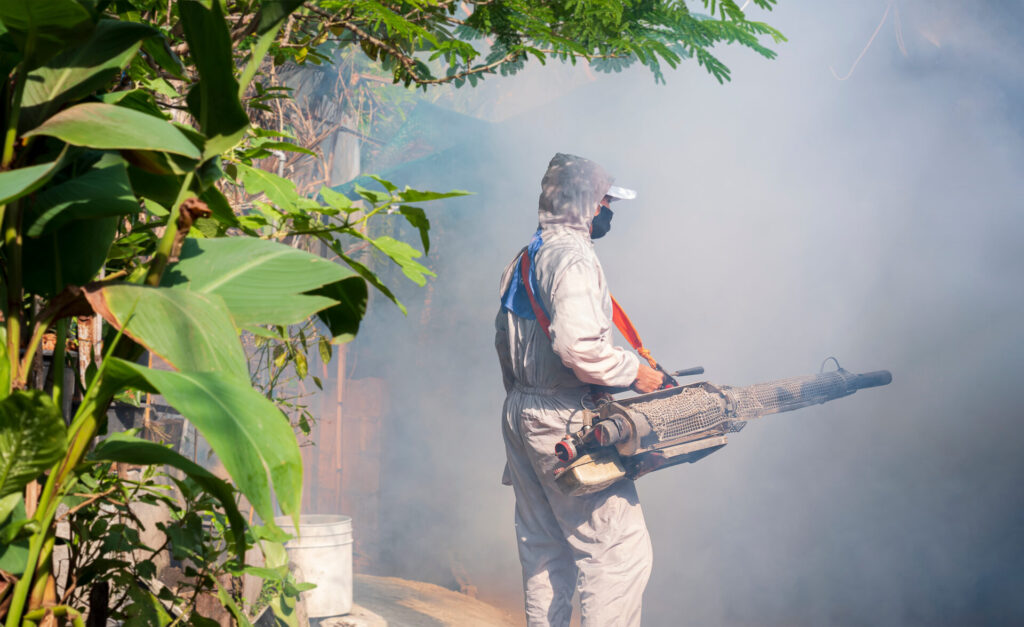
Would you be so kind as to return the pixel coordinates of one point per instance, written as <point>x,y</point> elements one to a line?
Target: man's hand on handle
<point>647,379</point>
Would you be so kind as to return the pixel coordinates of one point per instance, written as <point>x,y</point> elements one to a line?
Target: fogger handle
<point>872,379</point>
<point>689,372</point>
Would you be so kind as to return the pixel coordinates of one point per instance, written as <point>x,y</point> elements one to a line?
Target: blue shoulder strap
<point>516,299</point>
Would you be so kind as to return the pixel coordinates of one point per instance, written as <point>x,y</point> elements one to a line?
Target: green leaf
<point>5,365</point>
<point>405,256</point>
<point>265,147</point>
<point>372,196</point>
<point>262,282</point>
<point>284,611</point>
<point>140,100</point>
<point>13,557</point>
<point>20,528</point>
<point>79,70</point>
<point>214,99</point>
<point>279,190</point>
<point>418,219</point>
<point>415,195</point>
<point>72,225</point>
<point>109,127</point>
<point>370,277</point>
<point>325,350</point>
<point>280,356</point>
<point>13,543</point>
<point>155,208</point>
<point>71,255</point>
<point>256,53</point>
<point>301,367</point>
<point>189,330</point>
<point>274,12</point>
<point>343,318</point>
<point>229,603</point>
<point>264,332</point>
<point>274,553</point>
<point>220,207</point>
<point>32,438</point>
<point>8,505</point>
<point>388,185</point>
<point>161,188</point>
<point>103,191</point>
<point>248,432</point>
<point>157,49</point>
<point>336,200</point>
<point>17,183</point>
<point>54,24</point>
<point>122,447</point>
<point>145,608</point>
<point>274,574</point>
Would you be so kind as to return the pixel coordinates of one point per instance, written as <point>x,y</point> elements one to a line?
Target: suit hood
<point>570,191</point>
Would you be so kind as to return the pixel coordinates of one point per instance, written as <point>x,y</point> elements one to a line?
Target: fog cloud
<point>781,218</point>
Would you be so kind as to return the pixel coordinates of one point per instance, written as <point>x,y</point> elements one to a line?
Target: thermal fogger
<point>631,437</point>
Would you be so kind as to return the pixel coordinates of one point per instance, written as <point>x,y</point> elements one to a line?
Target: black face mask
<point>602,223</point>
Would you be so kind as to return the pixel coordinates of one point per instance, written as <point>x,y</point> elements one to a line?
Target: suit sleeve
<point>581,332</point>
<point>501,345</point>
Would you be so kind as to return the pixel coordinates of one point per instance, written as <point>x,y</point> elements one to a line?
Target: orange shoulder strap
<point>628,331</point>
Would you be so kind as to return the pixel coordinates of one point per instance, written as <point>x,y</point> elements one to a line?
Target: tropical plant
<point>90,178</point>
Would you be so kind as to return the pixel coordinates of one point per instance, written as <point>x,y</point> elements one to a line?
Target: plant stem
<point>82,431</point>
<point>393,201</point>
<point>12,248</point>
<point>41,577</point>
<point>58,610</point>
<point>12,215</point>
<point>33,345</point>
<point>166,244</point>
<point>57,364</point>
<point>19,89</point>
<point>21,589</point>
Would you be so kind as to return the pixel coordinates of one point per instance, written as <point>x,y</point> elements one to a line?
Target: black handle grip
<point>872,379</point>
<point>689,372</point>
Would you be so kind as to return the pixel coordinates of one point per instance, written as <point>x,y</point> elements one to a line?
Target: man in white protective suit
<point>554,339</point>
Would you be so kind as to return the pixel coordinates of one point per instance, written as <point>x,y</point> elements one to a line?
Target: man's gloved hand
<point>647,379</point>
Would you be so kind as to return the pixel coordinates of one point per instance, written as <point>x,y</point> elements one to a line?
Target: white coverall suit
<point>600,540</point>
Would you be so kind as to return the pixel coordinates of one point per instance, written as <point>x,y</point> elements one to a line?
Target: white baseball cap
<point>621,193</point>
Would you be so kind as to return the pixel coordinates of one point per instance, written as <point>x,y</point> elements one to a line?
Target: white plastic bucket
<point>322,554</point>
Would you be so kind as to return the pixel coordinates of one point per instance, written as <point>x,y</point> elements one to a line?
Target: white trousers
<point>596,542</point>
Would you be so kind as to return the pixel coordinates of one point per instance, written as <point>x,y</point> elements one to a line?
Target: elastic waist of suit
<point>546,391</point>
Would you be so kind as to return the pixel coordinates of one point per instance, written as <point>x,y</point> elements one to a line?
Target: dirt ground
<point>404,603</point>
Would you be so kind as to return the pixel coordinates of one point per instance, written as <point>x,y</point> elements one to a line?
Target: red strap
<point>619,317</point>
<point>628,331</point>
<point>524,271</point>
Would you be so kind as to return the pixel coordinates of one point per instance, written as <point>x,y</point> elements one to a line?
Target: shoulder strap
<point>619,317</point>
<point>628,331</point>
<point>524,272</point>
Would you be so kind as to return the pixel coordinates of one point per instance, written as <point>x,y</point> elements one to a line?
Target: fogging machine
<point>631,437</point>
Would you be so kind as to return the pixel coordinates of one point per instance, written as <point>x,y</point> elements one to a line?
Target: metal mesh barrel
<point>705,409</point>
<point>760,399</point>
<point>691,410</point>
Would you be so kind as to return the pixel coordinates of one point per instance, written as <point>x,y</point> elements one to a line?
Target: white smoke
<point>782,218</point>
